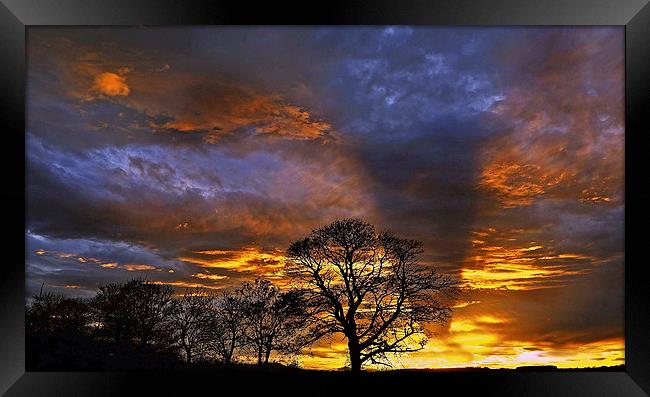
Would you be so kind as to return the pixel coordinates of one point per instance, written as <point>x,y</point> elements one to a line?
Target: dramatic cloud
<point>111,84</point>
<point>194,157</point>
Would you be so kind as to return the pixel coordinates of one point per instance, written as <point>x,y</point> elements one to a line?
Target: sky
<point>194,156</point>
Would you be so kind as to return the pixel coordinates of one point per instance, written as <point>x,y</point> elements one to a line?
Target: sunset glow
<point>193,157</point>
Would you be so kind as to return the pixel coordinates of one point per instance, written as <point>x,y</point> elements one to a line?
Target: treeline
<point>142,325</point>
<point>363,286</point>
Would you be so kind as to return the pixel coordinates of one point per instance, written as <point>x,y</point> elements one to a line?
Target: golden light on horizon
<point>472,339</point>
<point>471,343</point>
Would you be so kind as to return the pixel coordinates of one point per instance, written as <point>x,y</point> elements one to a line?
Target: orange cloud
<point>500,260</point>
<point>111,84</point>
<point>187,102</point>
<point>247,259</point>
<point>465,304</point>
<point>185,284</point>
<point>518,184</point>
<point>248,262</point>
<point>138,267</point>
<point>75,257</point>
<point>218,109</point>
<point>566,139</point>
<point>209,276</point>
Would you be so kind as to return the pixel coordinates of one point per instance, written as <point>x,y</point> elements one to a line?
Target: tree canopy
<point>369,287</point>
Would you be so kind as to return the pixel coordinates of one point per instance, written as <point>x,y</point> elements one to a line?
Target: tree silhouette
<point>191,319</point>
<point>53,313</point>
<point>138,309</point>
<point>228,327</point>
<point>111,309</point>
<point>370,288</point>
<point>274,318</point>
<point>57,334</point>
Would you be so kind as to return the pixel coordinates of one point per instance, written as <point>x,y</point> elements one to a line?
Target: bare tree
<point>370,288</point>
<point>54,313</point>
<point>152,308</point>
<point>138,309</point>
<point>228,327</point>
<point>111,310</point>
<point>57,335</point>
<point>191,319</point>
<point>274,318</point>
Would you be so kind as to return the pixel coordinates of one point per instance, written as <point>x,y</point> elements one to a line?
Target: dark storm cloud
<point>100,168</point>
<point>413,105</point>
<point>186,199</point>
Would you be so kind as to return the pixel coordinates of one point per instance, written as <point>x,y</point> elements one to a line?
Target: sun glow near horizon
<point>194,157</point>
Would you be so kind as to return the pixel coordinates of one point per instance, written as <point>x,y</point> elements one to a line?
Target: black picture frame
<point>17,15</point>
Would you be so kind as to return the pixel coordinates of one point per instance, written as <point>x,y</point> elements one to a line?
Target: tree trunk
<point>188,353</point>
<point>144,338</point>
<point>268,353</point>
<point>355,355</point>
<point>230,352</point>
<point>259,354</point>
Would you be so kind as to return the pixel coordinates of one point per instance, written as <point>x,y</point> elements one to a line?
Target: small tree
<point>370,288</point>
<point>228,326</point>
<point>152,308</point>
<point>111,310</point>
<point>191,319</point>
<point>274,319</point>
<point>56,333</point>
<point>138,309</point>
<point>51,313</point>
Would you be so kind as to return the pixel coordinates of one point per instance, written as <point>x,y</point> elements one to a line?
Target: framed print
<point>364,195</point>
